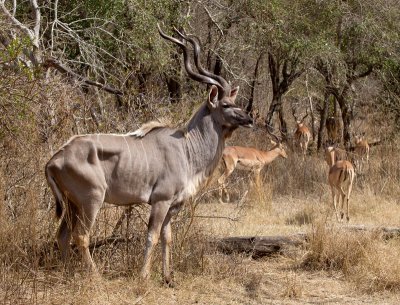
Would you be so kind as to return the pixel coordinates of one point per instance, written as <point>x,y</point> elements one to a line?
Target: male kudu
<point>156,164</point>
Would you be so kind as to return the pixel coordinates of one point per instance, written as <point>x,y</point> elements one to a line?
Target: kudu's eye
<point>226,106</point>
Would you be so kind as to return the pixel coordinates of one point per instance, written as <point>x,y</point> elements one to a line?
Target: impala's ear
<point>213,97</point>
<point>234,93</point>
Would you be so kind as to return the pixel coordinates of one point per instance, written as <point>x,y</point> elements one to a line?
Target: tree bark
<point>324,116</point>
<point>259,246</point>
<point>249,106</point>
<point>282,73</point>
<point>346,118</point>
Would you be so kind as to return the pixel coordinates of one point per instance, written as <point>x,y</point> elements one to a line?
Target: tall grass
<point>363,258</point>
<point>36,118</point>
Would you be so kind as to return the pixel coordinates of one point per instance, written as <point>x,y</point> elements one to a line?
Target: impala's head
<point>280,148</point>
<point>358,138</point>
<point>277,143</point>
<point>299,121</point>
<point>221,98</point>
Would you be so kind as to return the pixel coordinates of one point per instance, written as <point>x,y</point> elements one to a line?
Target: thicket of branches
<point>70,67</point>
<point>298,54</point>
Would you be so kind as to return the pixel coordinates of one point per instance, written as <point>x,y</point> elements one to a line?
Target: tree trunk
<point>282,78</point>
<point>282,121</point>
<point>218,65</point>
<point>346,119</point>
<point>249,106</point>
<point>324,116</point>
<point>274,107</point>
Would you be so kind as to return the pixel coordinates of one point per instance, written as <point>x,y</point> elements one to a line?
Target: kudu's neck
<point>204,142</point>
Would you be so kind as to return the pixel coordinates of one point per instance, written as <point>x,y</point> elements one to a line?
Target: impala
<point>302,135</point>
<point>247,158</point>
<point>341,176</point>
<point>156,164</point>
<point>361,151</point>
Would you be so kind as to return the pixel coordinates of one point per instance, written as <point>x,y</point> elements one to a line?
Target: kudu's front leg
<point>158,215</point>
<point>166,240</point>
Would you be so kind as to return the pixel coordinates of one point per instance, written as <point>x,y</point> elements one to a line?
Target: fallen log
<point>385,232</point>
<point>259,246</point>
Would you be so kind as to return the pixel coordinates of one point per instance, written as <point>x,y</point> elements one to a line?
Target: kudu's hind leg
<point>64,232</point>
<point>158,215</point>
<point>81,232</point>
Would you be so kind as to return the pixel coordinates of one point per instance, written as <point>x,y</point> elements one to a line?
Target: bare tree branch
<point>52,63</point>
<point>14,7</point>
<point>36,28</point>
<point>213,21</point>
<point>17,24</point>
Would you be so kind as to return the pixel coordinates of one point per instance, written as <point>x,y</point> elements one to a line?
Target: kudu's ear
<point>234,93</point>
<point>213,97</point>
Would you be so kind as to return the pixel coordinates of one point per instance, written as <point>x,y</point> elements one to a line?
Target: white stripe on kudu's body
<point>158,165</point>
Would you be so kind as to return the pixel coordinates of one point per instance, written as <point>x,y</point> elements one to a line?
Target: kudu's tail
<point>56,191</point>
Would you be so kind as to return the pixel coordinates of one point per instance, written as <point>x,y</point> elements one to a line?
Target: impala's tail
<point>55,189</point>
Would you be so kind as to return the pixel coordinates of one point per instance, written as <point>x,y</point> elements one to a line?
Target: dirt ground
<point>229,279</point>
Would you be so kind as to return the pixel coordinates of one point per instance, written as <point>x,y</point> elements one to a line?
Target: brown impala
<point>302,135</point>
<point>361,151</point>
<point>341,176</point>
<point>158,165</point>
<point>247,158</point>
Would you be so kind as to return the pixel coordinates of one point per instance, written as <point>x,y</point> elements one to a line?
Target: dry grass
<point>338,267</point>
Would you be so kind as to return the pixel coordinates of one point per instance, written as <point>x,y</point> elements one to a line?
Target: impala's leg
<point>257,175</point>
<point>348,198</point>
<point>342,197</point>
<point>86,218</point>
<point>334,191</point>
<point>166,240</point>
<point>158,215</point>
<point>229,167</point>
<point>305,146</point>
<point>222,188</point>
<point>65,230</point>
